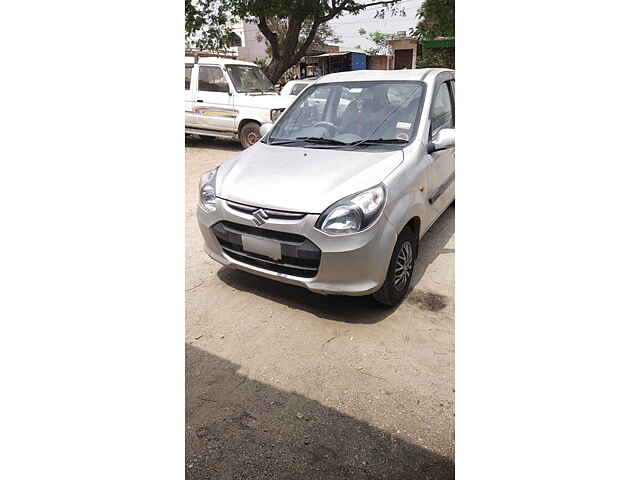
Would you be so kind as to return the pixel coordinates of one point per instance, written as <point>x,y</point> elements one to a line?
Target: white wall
<point>251,49</point>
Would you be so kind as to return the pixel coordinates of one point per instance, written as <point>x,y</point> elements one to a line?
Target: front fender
<point>406,199</point>
<point>257,115</point>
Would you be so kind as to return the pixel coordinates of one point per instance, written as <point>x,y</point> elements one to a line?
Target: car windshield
<point>249,78</point>
<point>352,113</point>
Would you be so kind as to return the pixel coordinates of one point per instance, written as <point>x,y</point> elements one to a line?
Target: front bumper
<point>349,265</point>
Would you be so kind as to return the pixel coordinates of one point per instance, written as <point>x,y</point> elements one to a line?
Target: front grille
<point>300,256</point>
<point>276,214</point>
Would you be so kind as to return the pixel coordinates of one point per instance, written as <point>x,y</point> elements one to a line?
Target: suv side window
<point>442,110</point>
<point>211,79</point>
<point>188,68</point>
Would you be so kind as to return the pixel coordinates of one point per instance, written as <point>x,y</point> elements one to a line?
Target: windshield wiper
<point>379,141</point>
<point>260,90</point>
<point>321,140</point>
<point>284,142</point>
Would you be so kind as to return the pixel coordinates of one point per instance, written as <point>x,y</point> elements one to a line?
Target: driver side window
<point>211,79</point>
<point>442,110</point>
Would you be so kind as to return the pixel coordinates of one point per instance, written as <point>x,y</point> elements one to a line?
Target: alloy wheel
<point>403,266</point>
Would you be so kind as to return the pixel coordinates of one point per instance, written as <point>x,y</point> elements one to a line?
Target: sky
<point>346,27</point>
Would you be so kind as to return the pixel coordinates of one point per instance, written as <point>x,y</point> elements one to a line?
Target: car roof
<point>419,74</point>
<point>217,61</point>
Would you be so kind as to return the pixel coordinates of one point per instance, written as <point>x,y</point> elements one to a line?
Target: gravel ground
<point>282,383</point>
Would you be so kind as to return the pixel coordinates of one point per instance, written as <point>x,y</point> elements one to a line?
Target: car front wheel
<point>249,134</point>
<point>398,279</point>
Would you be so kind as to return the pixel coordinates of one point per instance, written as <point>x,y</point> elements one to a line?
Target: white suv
<point>229,98</point>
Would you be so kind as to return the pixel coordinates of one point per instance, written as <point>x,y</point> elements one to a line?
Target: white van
<point>229,98</point>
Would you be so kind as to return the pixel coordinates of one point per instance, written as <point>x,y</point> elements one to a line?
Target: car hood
<point>305,180</point>
<point>263,101</point>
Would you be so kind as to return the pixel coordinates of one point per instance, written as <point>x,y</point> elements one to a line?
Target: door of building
<point>403,59</point>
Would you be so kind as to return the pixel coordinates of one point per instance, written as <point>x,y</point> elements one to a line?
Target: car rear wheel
<point>396,284</point>
<point>249,134</point>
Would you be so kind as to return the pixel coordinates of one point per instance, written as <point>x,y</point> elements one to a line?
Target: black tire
<point>249,134</point>
<point>392,293</point>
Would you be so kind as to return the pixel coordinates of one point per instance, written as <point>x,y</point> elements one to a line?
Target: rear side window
<point>211,79</point>
<point>442,110</point>
<point>187,76</point>
<point>297,88</point>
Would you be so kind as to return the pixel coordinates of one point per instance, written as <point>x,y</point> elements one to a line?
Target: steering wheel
<point>331,128</point>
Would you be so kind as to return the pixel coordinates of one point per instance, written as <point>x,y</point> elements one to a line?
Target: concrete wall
<point>379,62</point>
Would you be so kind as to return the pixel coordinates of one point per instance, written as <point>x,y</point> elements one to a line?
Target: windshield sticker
<point>355,90</point>
<point>402,136</point>
<point>403,125</point>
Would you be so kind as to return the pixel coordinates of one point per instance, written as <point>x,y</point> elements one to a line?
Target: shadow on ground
<point>239,428</point>
<point>193,141</point>
<point>352,309</point>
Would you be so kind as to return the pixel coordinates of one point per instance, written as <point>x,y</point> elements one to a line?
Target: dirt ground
<point>282,383</point>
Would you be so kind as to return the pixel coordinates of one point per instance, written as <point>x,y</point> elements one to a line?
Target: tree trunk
<point>276,69</point>
<point>280,64</point>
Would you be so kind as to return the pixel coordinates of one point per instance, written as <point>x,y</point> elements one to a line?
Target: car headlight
<point>208,189</point>
<point>354,213</point>
<point>275,113</point>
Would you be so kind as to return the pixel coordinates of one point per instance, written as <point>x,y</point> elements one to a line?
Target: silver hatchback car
<point>337,194</point>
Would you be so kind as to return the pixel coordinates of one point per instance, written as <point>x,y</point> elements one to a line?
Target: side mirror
<point>265,128</point>
<point>446,138</point>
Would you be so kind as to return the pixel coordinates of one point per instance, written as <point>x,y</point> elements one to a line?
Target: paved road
<point>286,384</point>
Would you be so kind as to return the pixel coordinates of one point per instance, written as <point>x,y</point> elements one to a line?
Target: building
<point>248,43</point>
<point>307,66</point>
<point>343,60</point>
<point>406,51</point>
<point>411,52</point>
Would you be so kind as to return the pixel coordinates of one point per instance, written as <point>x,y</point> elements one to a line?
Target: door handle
<point>199,100</point>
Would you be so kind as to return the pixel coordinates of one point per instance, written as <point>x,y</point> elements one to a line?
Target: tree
<point>324,34</point>
<point>436,19</point>
<point>380,40</point>
<point>206,26</point>
<point>287,48</point>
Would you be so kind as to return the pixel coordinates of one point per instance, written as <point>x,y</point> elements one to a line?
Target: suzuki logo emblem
<point>259,217</point>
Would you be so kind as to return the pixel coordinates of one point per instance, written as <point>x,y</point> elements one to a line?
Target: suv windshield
<point>249,78</point>
<point>352,113</point>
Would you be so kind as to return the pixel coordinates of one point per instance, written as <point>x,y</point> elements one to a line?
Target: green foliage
<point>438,57</point>
<point>303,9</point>
<point>380,40</point>
<point>436,19</point>
<point>261,62</point>
<point>206,25</point>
